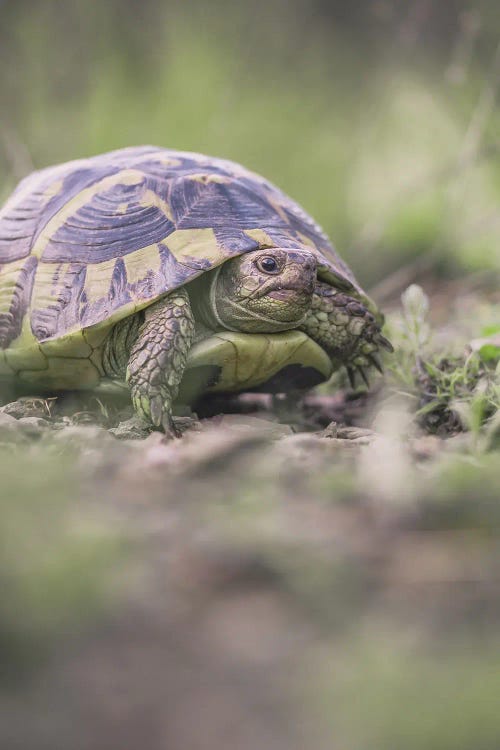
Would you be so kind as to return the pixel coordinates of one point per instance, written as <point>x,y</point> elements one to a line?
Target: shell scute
<point>198,204</point>
<point>97,231</point>
<point>56,297</point>
<point>16,284</point>
<point>107,236</point>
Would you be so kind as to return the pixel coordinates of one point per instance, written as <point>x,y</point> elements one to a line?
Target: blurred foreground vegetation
<point>287,585</point>
<point>288,588</point>
<point>265,582</point>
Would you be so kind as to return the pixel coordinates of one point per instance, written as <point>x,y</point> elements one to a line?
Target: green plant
<point>450,392</point>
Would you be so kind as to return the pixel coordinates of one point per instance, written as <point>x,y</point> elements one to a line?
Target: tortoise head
<point>263,291</point>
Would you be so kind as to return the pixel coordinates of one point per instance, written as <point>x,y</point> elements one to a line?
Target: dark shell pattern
<point>86,243</point>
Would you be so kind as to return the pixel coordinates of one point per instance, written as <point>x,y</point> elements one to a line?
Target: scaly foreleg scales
<point>158,358</point>
<point>345,328</point>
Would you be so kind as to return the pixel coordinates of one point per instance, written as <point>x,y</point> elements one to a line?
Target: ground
<point>275,578</point>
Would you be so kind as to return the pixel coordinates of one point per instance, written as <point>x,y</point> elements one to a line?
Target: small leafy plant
<point>452,392</point>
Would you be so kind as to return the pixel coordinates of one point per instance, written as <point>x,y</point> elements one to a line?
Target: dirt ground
<point>318,576</point>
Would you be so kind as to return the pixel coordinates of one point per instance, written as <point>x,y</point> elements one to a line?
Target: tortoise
<point>176,273</point>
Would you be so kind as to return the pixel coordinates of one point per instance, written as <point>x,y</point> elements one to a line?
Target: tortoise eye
<point>268,264</point>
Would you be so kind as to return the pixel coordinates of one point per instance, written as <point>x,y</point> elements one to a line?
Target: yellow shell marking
<point>307,241</point>
<point>98,279</point>
<point>8,281</point>
<point>279,210</point>
<point>205,178</point>
<point>195,243</point>
<point>53,189</point>
<point>150,198</point>
<point>261,237</point>
<point>168,161</point>
<point>137,264</point>
<point>142,261</point>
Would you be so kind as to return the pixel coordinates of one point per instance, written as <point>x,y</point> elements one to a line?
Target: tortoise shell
<point>86,243</point>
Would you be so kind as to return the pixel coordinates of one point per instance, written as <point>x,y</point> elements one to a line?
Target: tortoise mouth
<point>285,295</point>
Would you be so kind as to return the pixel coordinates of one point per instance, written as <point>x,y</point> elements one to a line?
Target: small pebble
<point>10,430</point>
<point>131,429</point>
<point>33,426</point>
<point>27,407</point>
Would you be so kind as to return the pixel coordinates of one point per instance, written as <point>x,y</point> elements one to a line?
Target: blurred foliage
<point>444,700</point>
<point>454,384</point>
<point>56,562</point>
<point>381,119</point>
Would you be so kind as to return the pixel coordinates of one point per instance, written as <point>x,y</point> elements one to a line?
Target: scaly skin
<point>158,358</point>
<point>346,330</point>
<point>116,349</point>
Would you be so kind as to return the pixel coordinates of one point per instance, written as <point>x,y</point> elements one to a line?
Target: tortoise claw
<point>384,343</point>
<point>375,362</point>
<point>351,374</point>
<point>364,376</point>
<point>169,428</point>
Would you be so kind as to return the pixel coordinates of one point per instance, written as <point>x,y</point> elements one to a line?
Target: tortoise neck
<point>203,296</point>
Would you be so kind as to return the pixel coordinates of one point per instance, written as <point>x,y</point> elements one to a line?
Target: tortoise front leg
<point>158,358</point>
<point>346,329</point>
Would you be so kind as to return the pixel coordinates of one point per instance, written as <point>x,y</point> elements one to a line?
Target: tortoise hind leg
<point>158,358</point>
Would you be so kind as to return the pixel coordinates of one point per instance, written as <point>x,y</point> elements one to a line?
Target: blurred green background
<point>237,589</point>
<point>381,117</point>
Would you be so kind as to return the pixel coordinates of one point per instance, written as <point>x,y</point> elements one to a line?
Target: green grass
<point>453,381</point>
